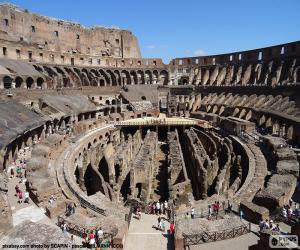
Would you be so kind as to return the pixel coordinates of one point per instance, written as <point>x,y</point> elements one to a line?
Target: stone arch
<point>184,80</point>
<point>126,79</point>
<point>40,82</point>
<point>103,169</point>
<point>125,187</point>
<point>19,82</point>
<point>141,77</point>
<point>249,115</point>
<point>101,82</point>
<point>163,77</point>
<point>105,76</point>
<point>119,79</point>
<point>155,76</point>
<point>113,78</point>
<point>29,82</point>
<point>148,77</point>
<point>7,82</point>
<point>92,181</point>
<point>134,77</point>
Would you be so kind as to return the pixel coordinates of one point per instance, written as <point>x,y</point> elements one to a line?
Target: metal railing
<point>206,237</point>
<point>81,231</point>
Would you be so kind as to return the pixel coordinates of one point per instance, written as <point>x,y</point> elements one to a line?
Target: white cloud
<point>151,46</point>
<point>199,52</point>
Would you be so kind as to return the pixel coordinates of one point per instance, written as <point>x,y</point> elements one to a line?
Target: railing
<point>81,231</point>
<point>206,237</point>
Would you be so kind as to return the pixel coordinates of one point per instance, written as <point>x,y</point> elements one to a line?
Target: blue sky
<point>172,28</point>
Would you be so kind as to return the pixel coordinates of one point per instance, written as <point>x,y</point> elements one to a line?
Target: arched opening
<point>7,81</point>
<point>92,181</point>
<point>117,172</point>
<point>138,188</point>
<point>40,82</point>
<point>77,174</point>
<point>125,188</point>
<point>103,169</point>
<point>113,110</point>
<point>29,82</point>
<point>107,102</point>
<point>19,82</point>
<point>164,77</point>
<point>114,102</point>
<point>102,83</point>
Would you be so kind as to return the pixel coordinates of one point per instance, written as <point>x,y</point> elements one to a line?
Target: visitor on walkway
<point>158,222</point>
<point>162,225</point>
<point>20,197</point>
<point>100,235</point>
<point>241,214</point>
<point>193,213</point>
<point>172,227</point>
<point>26,197</point>
<point>92,239</point>
<point>165,207</point>
<point>157,207</point>
<point>209,211</point>
<point>12,173</point>
<point>17,190</point>
<point>154,208</point>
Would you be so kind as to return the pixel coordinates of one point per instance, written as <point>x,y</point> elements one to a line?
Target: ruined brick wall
<point>25,28</point>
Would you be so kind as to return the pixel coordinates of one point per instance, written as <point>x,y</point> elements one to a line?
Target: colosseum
<point>100,146</point>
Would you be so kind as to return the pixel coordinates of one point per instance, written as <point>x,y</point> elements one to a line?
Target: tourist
<point>149,208</point>
<point>261,224</point>
<point>92,239</point>
<point>100,235</point>
<point>193,213</point>
<point>277,228</point>
<point>163,227</point>
<point>72,208</point>
<point>18,171</point>
<point>209,211</point>
<point>158,208</point>
<point>217,208</point>
<point>290,212</point>
<point>64,227</point>
<point>158,222</point>
<point>272,225</point>
<point>26,197</point>
<point>241,214</point>
<point>284,213</point>
<point>17,190</point>
<point>229,207</point>
<point>12,173</point>
<point>165,206</point>
<point>172,227</point>
<point>20,196</point>
<point>154,208</point>
<point>139,213</point>
<point>267,225</point>
<point>72,239</point>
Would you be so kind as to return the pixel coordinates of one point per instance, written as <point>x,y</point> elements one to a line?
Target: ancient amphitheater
<point>92,132</point>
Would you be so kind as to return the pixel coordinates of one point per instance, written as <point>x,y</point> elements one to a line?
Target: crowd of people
<point>18,170</point>
<point>93,238</point>
<point>159,208</point>
<point>269,225</point>
<point>288,212</point>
